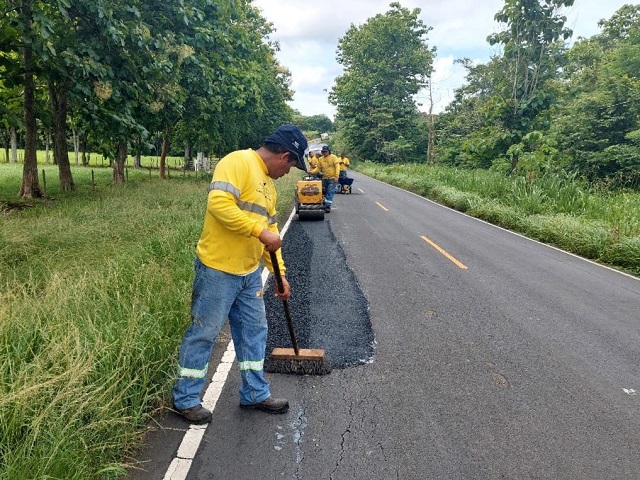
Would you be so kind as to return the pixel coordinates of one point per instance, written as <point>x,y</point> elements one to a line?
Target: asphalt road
<point>484,356</point>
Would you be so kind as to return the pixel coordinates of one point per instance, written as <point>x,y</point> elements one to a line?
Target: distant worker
<point>239,231</point>
<point>313,163</point>
<point>329,166</point>
<point>344,165</point>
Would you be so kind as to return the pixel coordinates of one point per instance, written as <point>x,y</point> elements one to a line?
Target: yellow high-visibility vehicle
<point>309,202</point>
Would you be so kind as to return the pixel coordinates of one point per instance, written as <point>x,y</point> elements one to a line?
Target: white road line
<point>181,463</point>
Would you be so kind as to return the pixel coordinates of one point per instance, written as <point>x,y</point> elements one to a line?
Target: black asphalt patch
<point>328,308</point>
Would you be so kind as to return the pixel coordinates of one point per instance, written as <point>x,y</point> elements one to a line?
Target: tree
<point>471,134</point>
<point>18,37</point>
<point>30,187</point>
<point>386,62</point>
<point>125,69</point>
<point>11,83</point>
<point>597,120</point>
<point>314,123</point>
<point>236,91</point>
<point>533,54</point>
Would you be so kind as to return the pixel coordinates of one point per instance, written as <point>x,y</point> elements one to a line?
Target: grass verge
<point>94,298</point>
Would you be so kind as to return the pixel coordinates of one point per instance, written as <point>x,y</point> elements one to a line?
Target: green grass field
<point>10,179</point>
<point>94,297</point>
<point>94,159</point>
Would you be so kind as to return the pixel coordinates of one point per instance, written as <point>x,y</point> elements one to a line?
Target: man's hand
<point>272,241</point>
<point>287,290</point>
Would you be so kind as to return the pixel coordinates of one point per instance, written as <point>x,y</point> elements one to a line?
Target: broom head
<point>307,362</point>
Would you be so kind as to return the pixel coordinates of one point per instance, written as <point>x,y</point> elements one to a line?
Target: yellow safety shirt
<point>329,166</point>
<point>240,205</point>
<point>313,165</point>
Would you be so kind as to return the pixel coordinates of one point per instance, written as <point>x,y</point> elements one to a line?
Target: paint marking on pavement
<point>190,443</point>
<point>446,254</point>
<point>178,470</point>
<point>360,190</point>
<point>382,207</point>
<point>181,464</point>
<point>630,391</point>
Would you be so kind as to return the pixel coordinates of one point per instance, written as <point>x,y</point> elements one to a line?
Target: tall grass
<point>557,209</point>
<point>94,297</point>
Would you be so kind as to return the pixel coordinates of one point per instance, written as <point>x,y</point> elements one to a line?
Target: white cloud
<point>308,33</point>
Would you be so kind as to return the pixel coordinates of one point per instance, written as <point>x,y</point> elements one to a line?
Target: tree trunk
<point>60,152</point>
<point>137,160</point>
<point>14,144</point>
<point>76,146</point>
<point>83,148</point>
<point>30,186</point>
<point>6,145</point>
<point>514,162</point>
<point>47,142</point>
<point>187,156</point>
<point>118,163</point>
<point>163,156</point>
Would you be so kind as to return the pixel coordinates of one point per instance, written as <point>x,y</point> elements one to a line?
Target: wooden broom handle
<point>280,286</point>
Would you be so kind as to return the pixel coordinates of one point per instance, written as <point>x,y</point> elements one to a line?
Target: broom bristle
<point>307,362</point>
<point>298,367</point>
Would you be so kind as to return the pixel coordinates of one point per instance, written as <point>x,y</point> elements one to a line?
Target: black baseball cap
<point>290,137</point>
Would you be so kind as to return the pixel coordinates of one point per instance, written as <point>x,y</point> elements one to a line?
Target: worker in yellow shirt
<point>329,166</point>
<point>344,165</point>
<point>239,231</point>
<point>313,163</point>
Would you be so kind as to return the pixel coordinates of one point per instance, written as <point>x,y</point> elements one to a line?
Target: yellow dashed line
<point>382,207</point>
<point>443,252</point>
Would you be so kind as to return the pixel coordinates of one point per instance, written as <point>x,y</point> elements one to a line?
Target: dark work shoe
<point>271,405</point>
<point>197,414</point>
<point>327,209</point>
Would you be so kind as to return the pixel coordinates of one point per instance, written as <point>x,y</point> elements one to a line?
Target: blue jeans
<point>329,187</point>
<point>216,296</point>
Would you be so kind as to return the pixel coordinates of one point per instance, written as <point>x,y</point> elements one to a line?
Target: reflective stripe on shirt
<point>253,208</point>
<point>246,206</point>
<point>225,187</point>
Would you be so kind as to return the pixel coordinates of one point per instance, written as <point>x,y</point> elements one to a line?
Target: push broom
<point>298,361</point>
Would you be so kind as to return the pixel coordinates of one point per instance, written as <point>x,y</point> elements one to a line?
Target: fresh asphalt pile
<point>328,308</point>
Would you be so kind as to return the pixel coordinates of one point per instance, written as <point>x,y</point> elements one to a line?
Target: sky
<point>308,33</point>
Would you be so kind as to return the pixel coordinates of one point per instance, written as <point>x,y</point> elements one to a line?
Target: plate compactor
<point>308,199</point>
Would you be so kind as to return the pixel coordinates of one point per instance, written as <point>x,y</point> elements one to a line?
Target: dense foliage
<point>538,106</point>
<point>314,123</point>
<point>118,74</point>
<point>580,115</point>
